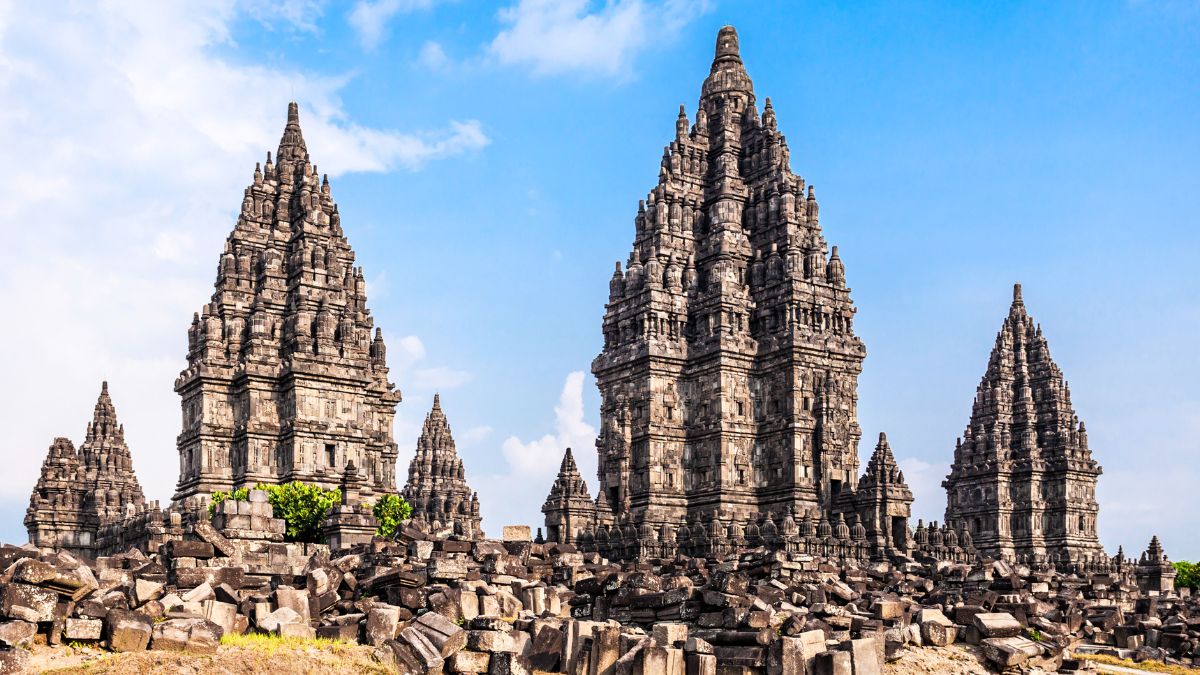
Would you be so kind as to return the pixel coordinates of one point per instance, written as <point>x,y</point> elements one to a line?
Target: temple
<point>287,376</point>
<point>729,373</point>
<point>1023,482</point>
<point>437,487</point>
<point>81,493</point>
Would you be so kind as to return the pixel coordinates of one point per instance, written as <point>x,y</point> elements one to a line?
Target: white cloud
<point>540,458</point>
<point>432,56</point>
<point>476,434</point>
<point>411,351</point>
<point>515,496</point>
<point>558,36</point>
<point>370,19</point>
<point>130,141</point>
<point>300,14</point>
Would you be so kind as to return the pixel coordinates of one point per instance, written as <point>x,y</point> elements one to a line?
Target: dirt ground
<point>340,659</point>
<point>229,660</point>
<point>952,660</point>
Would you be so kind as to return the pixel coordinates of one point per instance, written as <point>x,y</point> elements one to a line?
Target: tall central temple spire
<point>729,372</point>
<point>287,373</point>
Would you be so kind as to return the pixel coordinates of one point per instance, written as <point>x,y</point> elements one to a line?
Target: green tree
<point>1187,575</point>
<point>302,506</point>
<point>391,511</point>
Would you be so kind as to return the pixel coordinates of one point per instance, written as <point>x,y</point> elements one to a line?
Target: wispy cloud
<point>370,19</point>
<point>560,36</point>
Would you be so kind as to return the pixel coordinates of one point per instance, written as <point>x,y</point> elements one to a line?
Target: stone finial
<point>291,144</point>
<point>727,45</point>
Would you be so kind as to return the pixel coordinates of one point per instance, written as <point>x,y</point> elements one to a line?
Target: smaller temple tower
<point>437,487</point>
<point>1023,482</point>
<point>569,508</point>
<point>882,503</point>
<point>1155,574</point>
<point>81,492</point>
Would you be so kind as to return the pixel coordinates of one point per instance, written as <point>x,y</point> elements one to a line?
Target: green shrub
<point>238,495</point>
<point>391,511</point>
<point>1187,575</point>
<point>302,506</point>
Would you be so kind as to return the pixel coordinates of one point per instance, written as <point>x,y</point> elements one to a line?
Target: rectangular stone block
<point>83,630</point>
<point>516,533</point>
<point>27,603</point>
<point>186,548</point>
<point>833,663</point>
<point>997,625</point>
<point>127,631</point>
<point>864,657</point>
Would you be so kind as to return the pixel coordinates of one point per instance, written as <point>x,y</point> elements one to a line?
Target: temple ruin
<point>729,375</point>
<point>287,376</point>
<point>1023,480</point>
<point>80,494</point>
<point>437,486</point>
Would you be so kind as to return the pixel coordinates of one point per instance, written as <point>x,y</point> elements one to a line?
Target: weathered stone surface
<point>517,533</point>
<point>187,548</point>
<point>427,657</point>
<point>997,625</point>
<point>127,631</point>
<point>1007,652</point>
<point>936,629</point>
<point>294,599</point>
<point>16,633</point>
<point>468,662</point>
<point>83,630</point>
<point>508,663</point>
<point>13,661</point>
<point>382,625</point>
<point>145,590</point>
<point>27,603</point>
<point>443,634</point>
<point>864,657</point>
<point>192,635</point>
<point>833,663</point>
<point>284,615</point>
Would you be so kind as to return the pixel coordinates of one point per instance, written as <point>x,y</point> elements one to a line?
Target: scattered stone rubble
<point>432,605</point>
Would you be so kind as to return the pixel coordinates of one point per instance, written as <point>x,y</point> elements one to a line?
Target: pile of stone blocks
<point>430,604</point>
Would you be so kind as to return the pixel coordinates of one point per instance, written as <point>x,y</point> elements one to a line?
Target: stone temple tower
<point>437,486</point>
<point>287,374</point>
<point>1023,480</point>
<point>79,493</point>
<point>729,373</point>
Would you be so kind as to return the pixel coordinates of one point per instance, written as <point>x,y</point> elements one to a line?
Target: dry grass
<point>1148,666</point>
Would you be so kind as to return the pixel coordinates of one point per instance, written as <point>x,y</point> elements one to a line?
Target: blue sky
<point>488,158</point>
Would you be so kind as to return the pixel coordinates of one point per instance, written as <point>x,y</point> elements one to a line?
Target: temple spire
<point>437,488</point>
<point>1018,303</point>
<point>291,144</point>
<point>727,76</point>
<point>727,47</point>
